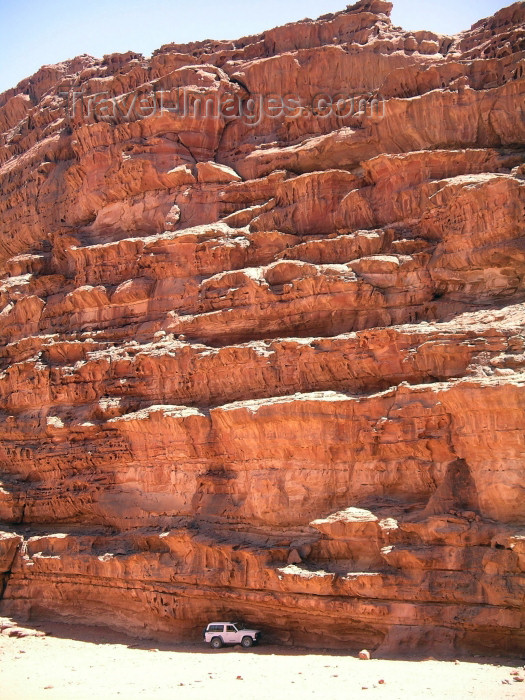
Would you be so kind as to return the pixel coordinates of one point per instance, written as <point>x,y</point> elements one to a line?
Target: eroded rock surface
<point>271,371</point>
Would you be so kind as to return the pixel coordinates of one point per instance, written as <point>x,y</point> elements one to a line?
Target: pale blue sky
<point>37,32</point>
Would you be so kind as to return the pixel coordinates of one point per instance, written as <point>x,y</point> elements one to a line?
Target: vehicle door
<point>231,635</point>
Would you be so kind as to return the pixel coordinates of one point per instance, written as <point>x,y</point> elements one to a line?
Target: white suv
<point>219,633</point>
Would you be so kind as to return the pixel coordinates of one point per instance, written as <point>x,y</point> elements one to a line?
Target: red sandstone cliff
<point>273,371</point>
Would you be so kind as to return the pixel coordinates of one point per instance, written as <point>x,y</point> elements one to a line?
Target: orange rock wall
<point>271,371</point>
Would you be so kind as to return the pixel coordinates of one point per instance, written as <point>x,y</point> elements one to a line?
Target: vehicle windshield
<point>240,625</point>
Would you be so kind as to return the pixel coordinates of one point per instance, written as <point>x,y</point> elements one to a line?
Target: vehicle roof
<point>222,623</point>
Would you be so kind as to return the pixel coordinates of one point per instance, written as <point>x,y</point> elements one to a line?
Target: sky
<point>38,32</point>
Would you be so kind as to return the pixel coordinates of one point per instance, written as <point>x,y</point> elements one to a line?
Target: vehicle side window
<point>231,628</point>
<point>215,628</point>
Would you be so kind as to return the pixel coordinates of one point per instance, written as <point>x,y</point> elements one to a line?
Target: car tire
<point>247,642</point>
<point>216,643</point>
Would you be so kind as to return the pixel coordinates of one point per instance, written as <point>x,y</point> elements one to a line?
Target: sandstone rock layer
<point>271,371</point>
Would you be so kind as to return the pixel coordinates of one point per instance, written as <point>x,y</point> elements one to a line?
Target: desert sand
<point>88,662</point>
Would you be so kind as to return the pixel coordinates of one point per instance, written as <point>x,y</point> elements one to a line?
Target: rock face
<point>273,370</point>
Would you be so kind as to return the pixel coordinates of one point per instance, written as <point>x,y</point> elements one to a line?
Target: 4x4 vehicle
<point>217,634</point>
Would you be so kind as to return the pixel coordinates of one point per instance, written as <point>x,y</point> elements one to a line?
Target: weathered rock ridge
<point>275,370</point>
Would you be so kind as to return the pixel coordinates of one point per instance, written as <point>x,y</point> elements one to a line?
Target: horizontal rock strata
<point>271,371</point>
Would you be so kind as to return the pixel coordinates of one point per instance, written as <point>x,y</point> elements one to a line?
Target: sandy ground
<point>77,663</point>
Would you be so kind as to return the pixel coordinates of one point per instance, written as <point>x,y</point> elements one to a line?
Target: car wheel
<point>216,643</point>
<point>247,642</point>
